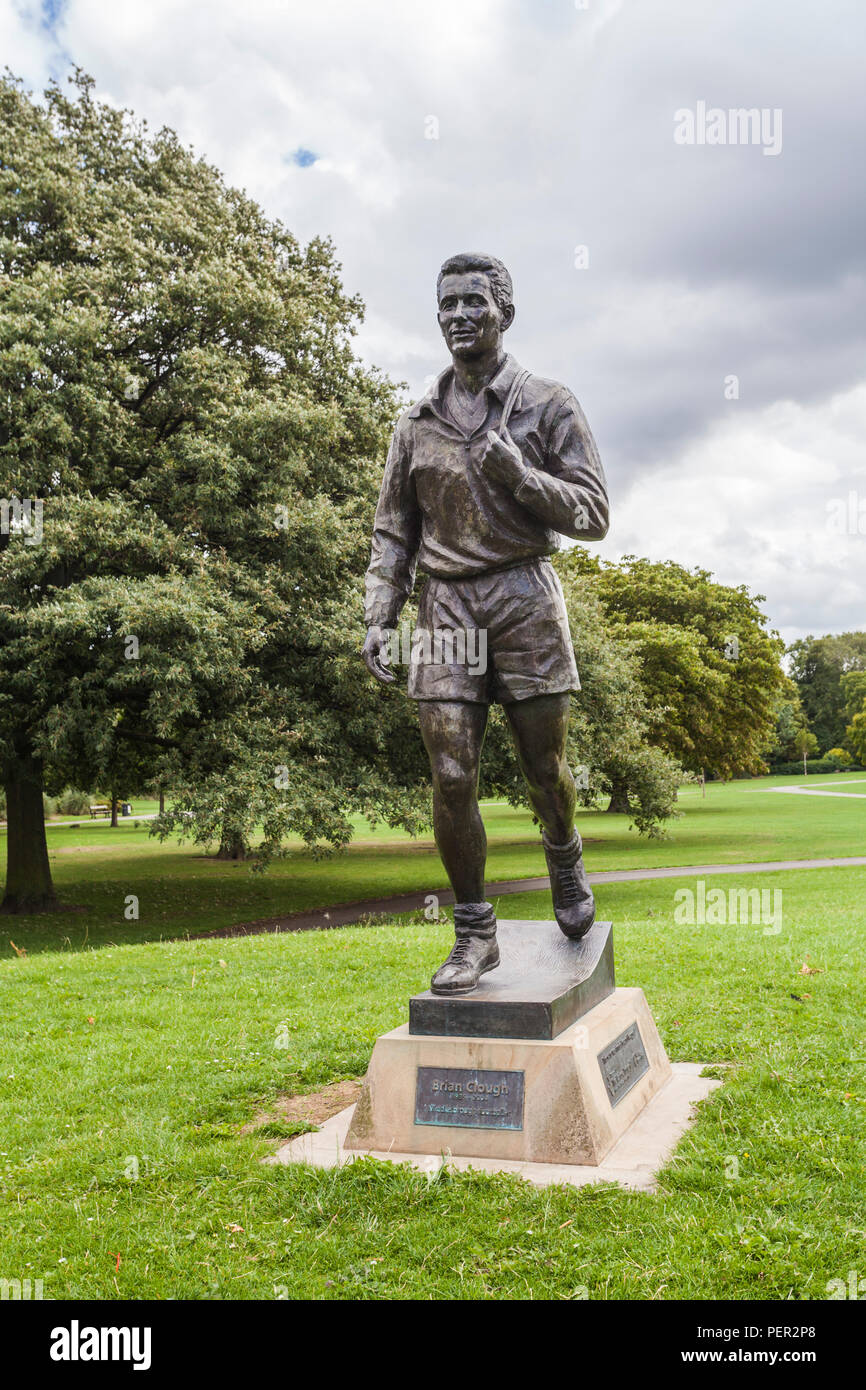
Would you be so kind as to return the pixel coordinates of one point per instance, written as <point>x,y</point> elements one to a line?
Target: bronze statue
<point>482,476</point>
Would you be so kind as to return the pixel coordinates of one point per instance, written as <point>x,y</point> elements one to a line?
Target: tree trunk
<point>28,873</point>
<point>161,802</point>
<point>619,802</point>
<point>232,846</point>
<point>113,811</point>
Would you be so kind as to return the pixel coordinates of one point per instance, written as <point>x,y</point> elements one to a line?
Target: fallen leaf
<point>19,950</point>
<point>807,969</point>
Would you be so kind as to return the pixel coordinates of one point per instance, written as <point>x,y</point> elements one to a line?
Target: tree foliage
<point>857,735</point>
<point>822,669</point>
<point>180,398</point>
<point>710,668</point>
<point>609,748</point>
<point>782,745</point>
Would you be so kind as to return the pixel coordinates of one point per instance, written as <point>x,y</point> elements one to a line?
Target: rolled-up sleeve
<point>570,493</point>
<point>396,535</point>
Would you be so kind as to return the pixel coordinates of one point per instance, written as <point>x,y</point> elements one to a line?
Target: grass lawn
<point>130,1071</point>
<point>181,890</point>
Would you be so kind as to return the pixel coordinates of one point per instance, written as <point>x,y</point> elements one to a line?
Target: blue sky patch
<point>51,10</point>
<point>303,158</point>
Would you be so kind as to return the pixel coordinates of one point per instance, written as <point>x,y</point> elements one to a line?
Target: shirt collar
<point>435,397</point>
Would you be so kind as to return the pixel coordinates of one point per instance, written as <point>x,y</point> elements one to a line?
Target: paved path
<point>347,913</point>
<point>815,791</point>
<point>99,820</point>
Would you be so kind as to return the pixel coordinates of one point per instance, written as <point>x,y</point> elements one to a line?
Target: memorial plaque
<point>466,1099</point>
<point>623,1062</point>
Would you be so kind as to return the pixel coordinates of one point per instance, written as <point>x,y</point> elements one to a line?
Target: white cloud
<point>758,501</point>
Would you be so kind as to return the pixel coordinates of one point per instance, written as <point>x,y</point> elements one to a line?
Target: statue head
<point>475,304</point>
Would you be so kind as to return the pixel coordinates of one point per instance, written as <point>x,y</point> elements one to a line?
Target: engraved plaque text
<point>623,1062</point>
<point>467,1099</point>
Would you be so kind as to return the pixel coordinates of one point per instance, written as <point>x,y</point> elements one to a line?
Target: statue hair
<point>500,281</point>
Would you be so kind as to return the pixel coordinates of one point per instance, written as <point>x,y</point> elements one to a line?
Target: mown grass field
<point>130,1071</point>
<point>180,889</point>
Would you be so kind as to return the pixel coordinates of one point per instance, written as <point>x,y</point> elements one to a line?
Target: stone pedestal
<point>542,984</point>
<point>580,1063</point>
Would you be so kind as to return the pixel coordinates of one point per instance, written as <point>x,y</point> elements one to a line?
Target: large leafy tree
<point>856,734</point>
<point>784,743</point>
<point>853,685</point>
<point>199,450</point>
<point>611,735</point>
<point>819,666</point>
<point>609,742</point>
<point>710,667</point>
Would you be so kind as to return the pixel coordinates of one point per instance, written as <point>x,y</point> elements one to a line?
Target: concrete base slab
<point>633,1162</point>
<point>566,1099</point>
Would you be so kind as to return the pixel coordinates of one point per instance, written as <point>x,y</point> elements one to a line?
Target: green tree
<point>853,687</point>
<point>611,732</point>
<point>840,756</point>
<point>806,745</point>
<point>189,457</point>
<point>789,720</point>
<point>709,665</point>
<point>818,667</point>
<point>857,735</point>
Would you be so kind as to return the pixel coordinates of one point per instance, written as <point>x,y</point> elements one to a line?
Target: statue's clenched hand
<point>375,655</point>
<point>501,459</point>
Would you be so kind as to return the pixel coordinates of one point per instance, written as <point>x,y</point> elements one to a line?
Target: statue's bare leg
<point>540,730</point>
<point>453,732</point>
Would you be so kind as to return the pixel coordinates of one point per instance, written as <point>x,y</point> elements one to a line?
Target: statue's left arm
<point>570,493</point>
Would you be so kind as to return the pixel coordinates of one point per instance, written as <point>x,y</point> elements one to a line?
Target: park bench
<point>98,811</point>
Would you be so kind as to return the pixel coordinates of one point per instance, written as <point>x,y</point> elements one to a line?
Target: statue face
<point>471,321</point>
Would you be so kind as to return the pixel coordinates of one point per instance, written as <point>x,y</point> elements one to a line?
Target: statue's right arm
<point>394,553</point>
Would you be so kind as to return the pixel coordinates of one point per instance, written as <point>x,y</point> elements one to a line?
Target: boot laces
<point>569,891</point>
<point>460,950</point>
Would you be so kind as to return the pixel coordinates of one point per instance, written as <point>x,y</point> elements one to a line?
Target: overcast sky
<point>530,129</point>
